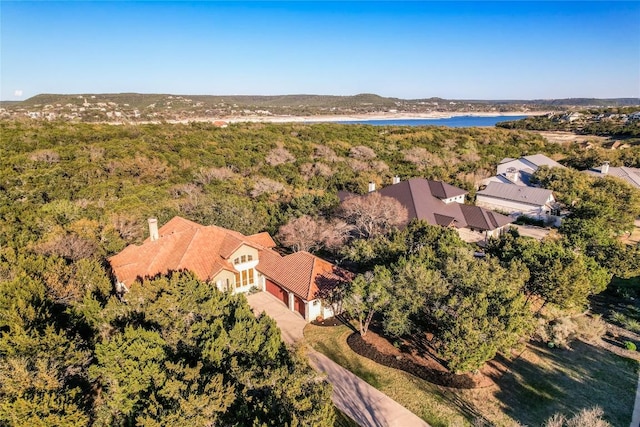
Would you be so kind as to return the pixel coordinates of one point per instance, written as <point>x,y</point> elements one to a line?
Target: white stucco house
<point>519,171</point>
<point>517,200</point>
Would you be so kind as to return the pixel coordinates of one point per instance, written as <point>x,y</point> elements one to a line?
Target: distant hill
<point>619,122</point>
<point>132,107</point>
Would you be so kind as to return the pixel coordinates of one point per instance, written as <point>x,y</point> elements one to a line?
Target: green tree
<point>368,295</point>
<point>485,311</point>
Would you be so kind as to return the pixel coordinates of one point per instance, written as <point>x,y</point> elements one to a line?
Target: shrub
<point>618,318</point>
<point>558,333</point>
<point>592,417</point>
<point>590,328</point>
<point>632,324</point>
<point>630,346</point>
<point>525,220</point>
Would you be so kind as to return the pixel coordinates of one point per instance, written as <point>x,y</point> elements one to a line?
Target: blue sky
<point>460,50</point>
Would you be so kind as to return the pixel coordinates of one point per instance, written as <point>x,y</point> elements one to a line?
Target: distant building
<point>519,171</point>
<point>439,203</point>
<point>629,175</point>
<point>517,200</point>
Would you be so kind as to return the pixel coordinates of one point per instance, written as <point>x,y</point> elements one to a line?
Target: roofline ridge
<point>313,268</point>
<point>189,245</point>
<point>413,201</point>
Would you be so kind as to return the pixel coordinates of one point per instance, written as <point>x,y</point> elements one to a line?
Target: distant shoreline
<point>358,117</point>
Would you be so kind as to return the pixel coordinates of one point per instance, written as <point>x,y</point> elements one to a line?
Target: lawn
<point>538,384</point>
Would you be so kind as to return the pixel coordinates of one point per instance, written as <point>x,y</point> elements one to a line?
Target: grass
<point>540,383</point>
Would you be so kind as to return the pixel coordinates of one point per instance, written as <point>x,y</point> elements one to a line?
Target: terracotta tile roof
<point>263,239</point>
<point>301,273</point>
<point>182,245</point>
<point>204,250</point>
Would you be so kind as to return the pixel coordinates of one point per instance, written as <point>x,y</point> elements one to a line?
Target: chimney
<point>605,168</point>
<point>372,187</point>
<point>153,229</point>
<point>396,179</point>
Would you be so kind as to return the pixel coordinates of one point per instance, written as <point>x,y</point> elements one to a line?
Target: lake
<point>453,122</point>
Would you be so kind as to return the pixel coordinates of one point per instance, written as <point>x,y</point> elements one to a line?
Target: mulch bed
<point>380,350</point>
<point>332,321</point>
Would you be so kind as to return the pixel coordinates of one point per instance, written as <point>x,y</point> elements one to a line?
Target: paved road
<point>360,401</point>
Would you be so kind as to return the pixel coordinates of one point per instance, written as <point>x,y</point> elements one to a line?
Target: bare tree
<point>205,176</point>
<point>334,234</point>
<point>362,152</point>
<point>46,156</point>
<point>266,185</point>
<point>278,156</point>
<point>300,234</point>
<point>309,234</point>
<point>322,152</point>
<point>373,214</point>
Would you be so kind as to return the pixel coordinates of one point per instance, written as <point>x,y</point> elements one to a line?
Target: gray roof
<point>630,175</point>
<point>542,160</point>
<point>417,195</point>
<point>517,193</point>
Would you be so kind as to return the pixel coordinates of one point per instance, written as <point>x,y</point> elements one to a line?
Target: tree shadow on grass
<point>350,363</point>
<point>547,381</point>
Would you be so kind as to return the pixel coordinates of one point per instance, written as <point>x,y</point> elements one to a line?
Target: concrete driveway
<point>363,403</point>
<point>291,324</point>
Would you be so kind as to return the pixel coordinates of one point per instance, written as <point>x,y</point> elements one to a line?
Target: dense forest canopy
<point>73,194</point>
<point>100,182</point>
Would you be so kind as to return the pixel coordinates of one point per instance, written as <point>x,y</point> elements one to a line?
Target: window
<point>244,278</point>
<point>242,259</point>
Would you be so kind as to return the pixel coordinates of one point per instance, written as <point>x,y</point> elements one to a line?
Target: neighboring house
<point>537,203</point>
<point>629,175</point>
<point>230,261</point>
<point>519,171</point>
<point>442,204</point>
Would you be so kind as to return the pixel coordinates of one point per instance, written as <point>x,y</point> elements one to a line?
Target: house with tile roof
<point>230,261</point>
<point>519,171</point>
<point>630,175</point>
<point>517,200</point>
<point>439,203</point>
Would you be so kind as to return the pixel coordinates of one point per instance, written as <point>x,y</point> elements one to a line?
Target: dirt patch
<point>614,341</point>
<point>380,350</point>
<point>559,137</point>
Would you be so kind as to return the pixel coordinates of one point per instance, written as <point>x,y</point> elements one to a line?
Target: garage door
<point>279,293</point>
<point>299,305</point>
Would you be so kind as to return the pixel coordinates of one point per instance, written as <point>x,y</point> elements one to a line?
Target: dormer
<point>244,258</point>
